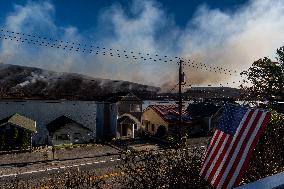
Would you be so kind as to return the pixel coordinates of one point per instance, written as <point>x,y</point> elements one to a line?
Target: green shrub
<point>268,157</point>
<point>175,168</point>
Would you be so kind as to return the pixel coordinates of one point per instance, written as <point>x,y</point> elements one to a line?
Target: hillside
<point>29,82</point>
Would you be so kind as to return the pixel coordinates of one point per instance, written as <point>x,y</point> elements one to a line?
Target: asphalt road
<point>104,166</point>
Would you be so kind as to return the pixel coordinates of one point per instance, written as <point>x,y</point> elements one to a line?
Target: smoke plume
<point>214,37</point>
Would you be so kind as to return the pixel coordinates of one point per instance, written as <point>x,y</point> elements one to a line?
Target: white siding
<point>43,112</point>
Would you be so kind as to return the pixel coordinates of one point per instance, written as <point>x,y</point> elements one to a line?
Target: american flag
<point>232,145</point>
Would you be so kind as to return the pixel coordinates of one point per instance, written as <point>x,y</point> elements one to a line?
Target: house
<point>96,116</point>
<point>64,130</point>
<point>164,119</point>
<point>129,112</point>
<point>16,132</point>
<point>201,114</point>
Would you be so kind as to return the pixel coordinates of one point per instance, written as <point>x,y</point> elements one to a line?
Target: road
<point>100,166</point>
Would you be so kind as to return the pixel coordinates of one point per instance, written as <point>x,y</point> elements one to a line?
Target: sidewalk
<point>45,155</point>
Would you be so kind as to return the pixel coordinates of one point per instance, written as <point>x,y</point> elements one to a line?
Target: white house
<point>98,117</point>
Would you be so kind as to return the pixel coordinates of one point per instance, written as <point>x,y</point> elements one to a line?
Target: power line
<point>67,45</point>
<point>98,50</point>
<point>210,68</point>
<point>173,88</point>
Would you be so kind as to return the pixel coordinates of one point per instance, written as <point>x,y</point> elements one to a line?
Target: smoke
<point>230,39</point>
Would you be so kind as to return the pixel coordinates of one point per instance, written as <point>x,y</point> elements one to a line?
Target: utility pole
<point>180,81</point>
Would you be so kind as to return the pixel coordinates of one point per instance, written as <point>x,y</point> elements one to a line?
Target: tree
<point>161,131</point>
<point>265,79</point>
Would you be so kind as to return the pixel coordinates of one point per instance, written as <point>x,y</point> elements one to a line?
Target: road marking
<point>57,168</point>
<point>8,175</point>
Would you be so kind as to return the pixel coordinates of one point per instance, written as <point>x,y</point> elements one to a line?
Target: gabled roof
<point>170,113</point>
<point>123,97</point>
<point>61,122</point>
<point>125,119</point>
<point>20,121</point>
<point>202,109</point>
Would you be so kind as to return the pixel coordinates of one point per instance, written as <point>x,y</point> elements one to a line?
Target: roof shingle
<point>20,121</point>
<point>170,113</point>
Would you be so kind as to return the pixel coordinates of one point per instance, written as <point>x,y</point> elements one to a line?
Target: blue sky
<point>230,34</point>
<point>84,14</point>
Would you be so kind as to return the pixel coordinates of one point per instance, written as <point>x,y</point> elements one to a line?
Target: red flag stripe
<point>250,152</point>
<point>218,151</point>
<point>215,151</point>
<point>221,157</point>
<point>218,175</point>
<point>209,149</point>
<point>239,151</point>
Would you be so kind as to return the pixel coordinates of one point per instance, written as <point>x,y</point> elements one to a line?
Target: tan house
<point>164,119</point>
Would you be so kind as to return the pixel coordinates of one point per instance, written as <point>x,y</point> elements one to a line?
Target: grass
<point>70,146</point>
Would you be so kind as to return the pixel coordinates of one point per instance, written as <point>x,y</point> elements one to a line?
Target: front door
<point>124,128</point>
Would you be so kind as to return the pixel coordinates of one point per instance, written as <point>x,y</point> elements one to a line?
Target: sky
<point>229,34</point>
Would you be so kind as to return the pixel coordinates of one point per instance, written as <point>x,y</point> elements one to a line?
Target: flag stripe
<point>230,150</point>
<point>225,161</point>
<point>218,152</point>
<point>245,141</point>
<point>221,157</point>
<point>236,147</point>
<point>253,145</point>
<point>219,135</point>
<point>210,147</point>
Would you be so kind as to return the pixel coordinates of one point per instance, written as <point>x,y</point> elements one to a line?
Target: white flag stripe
<point>229,148</point>
<point>217,168</point>
<point>209,150</point>
<point>217,156</point>
<point>213,149</point>
<point>236,151</point>
<point>244,154</point>
<point>211,141</point>
<point>217,135</point>
<point>210,145</point>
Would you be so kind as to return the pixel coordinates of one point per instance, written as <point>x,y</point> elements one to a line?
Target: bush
<point>161,131</point>
<point>175,168</point>
<point>268,156</point>
<point>65,180</point>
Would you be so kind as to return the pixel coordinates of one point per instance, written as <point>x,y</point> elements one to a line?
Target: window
<point>112,107</point>
<point>77,136</point>
<point>8,127</point>
<point>147,126</point>
<point>153,127</point>
<point>63,137</point>
<point>135,108</point>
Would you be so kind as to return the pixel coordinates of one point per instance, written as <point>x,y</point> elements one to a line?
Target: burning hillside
<point>29,82</point>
